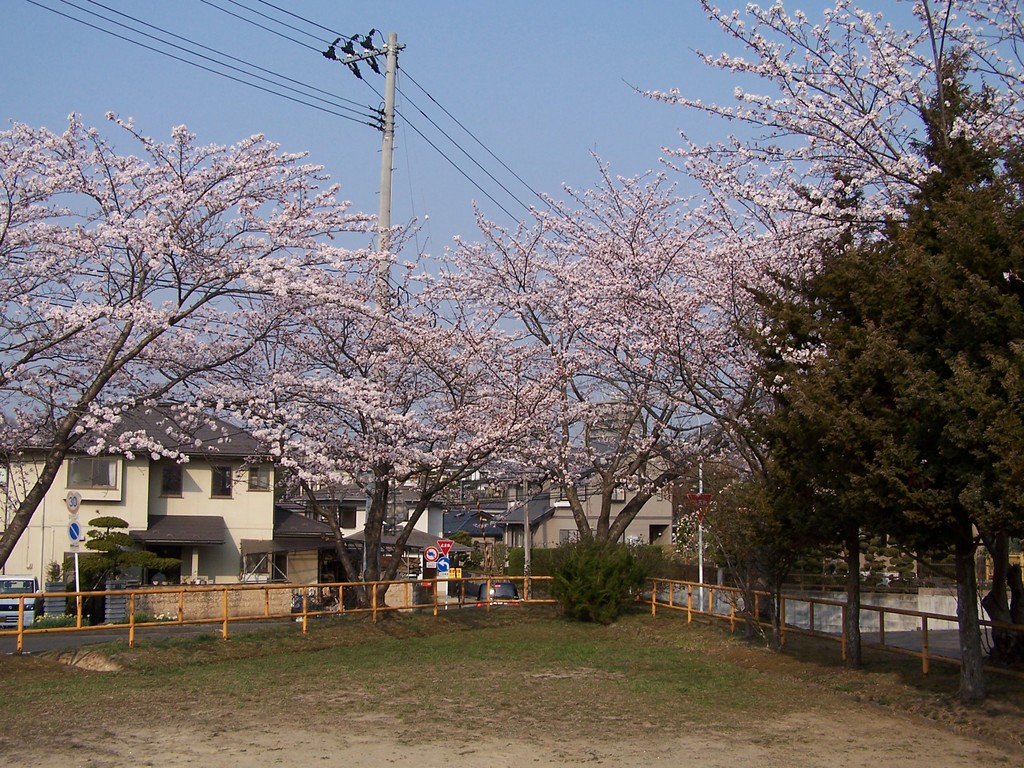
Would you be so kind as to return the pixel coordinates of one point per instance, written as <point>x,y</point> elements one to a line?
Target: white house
<point>197,510</point>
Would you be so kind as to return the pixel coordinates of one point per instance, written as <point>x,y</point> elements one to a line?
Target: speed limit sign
<point>74,501</point>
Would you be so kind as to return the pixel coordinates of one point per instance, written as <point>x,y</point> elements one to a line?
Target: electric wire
<point>473,136</point>
<point>203,67</point>
<point>261,26</point>
<point>225,55</point>
<point>463,150</point>
<point>302,97</point>
<point>441,130</point>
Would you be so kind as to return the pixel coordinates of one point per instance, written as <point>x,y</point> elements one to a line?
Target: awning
<point>262,546</point>
<point>194,530</point>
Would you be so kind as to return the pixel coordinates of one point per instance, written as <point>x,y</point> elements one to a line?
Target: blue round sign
<point>74,531</point>
<point>443,564</point>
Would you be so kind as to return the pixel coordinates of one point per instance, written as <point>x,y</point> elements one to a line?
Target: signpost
<point>74,503</point>
<point>430,554</point>
<point>443,566</point>
<point>445,545</point>
<point>701,501</point>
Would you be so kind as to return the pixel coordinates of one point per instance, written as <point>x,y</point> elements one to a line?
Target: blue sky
<point>541,84</point>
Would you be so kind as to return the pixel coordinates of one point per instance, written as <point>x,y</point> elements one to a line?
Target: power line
<point>226,56</point>
<point>203,67</point>
<point>303,93</point>
<point>475,138</point>
<point>464,152</point>
<point>261,26</point>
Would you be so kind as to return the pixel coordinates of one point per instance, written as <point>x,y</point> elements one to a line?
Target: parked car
<point>497,592</point>
<point>10,588</point>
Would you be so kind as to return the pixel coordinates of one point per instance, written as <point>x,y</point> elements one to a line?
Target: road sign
<point>445,545</point>
<point>75,534</point>
<point>443,565</point>
<point>74,501</point>
<point>700,502</point>
<point>430,554</point>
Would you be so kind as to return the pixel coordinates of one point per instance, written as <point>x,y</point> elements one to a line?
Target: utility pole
<point>387,145</point>
<point>369,55</point>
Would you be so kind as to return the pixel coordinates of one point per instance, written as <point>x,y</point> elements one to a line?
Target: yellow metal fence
<point>175,606</point>
<point>810,615</point>
<point>227,604</point>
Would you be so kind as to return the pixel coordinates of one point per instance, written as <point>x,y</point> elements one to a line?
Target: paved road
<point>52,641</point>
<point>943,643</point>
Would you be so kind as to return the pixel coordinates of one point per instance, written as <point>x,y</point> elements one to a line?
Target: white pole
<point>386,158</point>
<point>700,533</point>
<point>78,585</point>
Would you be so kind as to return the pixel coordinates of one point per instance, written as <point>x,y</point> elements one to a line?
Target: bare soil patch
<point>510,688</point>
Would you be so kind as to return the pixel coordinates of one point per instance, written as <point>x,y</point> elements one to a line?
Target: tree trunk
<point>972,679</point>
<point>1007,644</point>
<point>23,515</point>
<point>851,621</point>
<point>777,617</point>
<point>340,551</point>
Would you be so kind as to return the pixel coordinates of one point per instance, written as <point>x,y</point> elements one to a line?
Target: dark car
<point>499,592</point>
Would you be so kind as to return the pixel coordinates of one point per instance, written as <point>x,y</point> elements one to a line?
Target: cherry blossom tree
<point>836,124</point>
<point>130,278</point>
<point>609,293</point>
<point>383,394</point>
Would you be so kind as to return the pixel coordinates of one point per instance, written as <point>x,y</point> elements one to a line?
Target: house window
<point>259,478</point>
<point>618,494</point>
<point>92,472</point>
<point>171,480</point>
<point>222,482</point>
<point>568,534</point>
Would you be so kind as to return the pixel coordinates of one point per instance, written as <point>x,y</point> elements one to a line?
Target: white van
<point>10,588</point>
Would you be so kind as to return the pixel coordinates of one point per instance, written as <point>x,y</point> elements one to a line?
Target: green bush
<point>593,579</point>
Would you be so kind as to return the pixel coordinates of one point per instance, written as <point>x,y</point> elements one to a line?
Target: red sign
<point>700,502</point>
<point>445,545</point>
<point>430,554</point>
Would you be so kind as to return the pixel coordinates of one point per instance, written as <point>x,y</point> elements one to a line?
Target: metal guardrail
<point>722,603</point>
<point>302,600</point>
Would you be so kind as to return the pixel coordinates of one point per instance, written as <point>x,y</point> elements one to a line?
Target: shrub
<point>593,579</point>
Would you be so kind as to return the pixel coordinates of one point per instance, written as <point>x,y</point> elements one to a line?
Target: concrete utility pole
<point>388,144</point>
<point>386,126</point>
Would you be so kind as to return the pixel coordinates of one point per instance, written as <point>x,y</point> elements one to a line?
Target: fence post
<point>881,627</point>
<point>434,590</point>
<point>810,616</point>
<point>689,603</point>
<point>654,596</point>
<point>924,645</point>
<point>373,601</point>
<point>131,619</point>
<point>21,624</point>
<point>224,627</point>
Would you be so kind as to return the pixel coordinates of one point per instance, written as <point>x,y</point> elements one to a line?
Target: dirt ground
<point>800,741</point>
<point>829,716</point>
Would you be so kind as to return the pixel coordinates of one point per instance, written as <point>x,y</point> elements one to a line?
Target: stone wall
<point>199,603</point>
